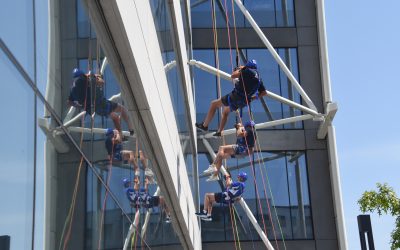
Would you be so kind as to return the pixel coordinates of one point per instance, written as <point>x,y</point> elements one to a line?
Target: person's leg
<point>124,113</point>
<point>211,111</point>
<point>224,152</point>
<point>224,118</point>
<point>129,156</point>
<point>210,200</point>
<point>117,123</point>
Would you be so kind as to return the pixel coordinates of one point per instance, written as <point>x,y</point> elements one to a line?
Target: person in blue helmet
<point>116,153</point>
<point>232,193</point>
<point>113,144</point>
<point>248,86</point>
<point>132,193</point>
<point>246,138</point>
<point>87,93</point>
<point>149,201</point>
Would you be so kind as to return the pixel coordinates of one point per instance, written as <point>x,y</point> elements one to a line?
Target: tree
<point>383,201</point>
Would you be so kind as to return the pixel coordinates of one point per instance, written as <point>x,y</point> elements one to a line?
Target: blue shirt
<point>235,190</point>
<point>132,195</point>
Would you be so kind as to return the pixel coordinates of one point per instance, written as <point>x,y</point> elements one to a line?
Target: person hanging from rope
<point>113,144</point>
<point>147,170</point>
<point>88,86</point>
<point>232,193</point>
<point>132,193</point>
<point>244,147</point>
<point>248,86</point>
<point>148,201</point>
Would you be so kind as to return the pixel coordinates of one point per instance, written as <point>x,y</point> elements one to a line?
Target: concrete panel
<point>67,176</point>
<point>67,13</point>
<point>327,244</point>
<point>310,76</point>
<point>307,36</point>
<point>311,140</point>
<point>305,13</point>
<point>321,195</point>
<point>289,245</point>
<point>68,49</point>
<point>247,38</point>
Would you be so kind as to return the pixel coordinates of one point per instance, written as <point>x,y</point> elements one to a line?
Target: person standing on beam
<point>88,86</point>
<point>244,147</point>
<point>247,83</point>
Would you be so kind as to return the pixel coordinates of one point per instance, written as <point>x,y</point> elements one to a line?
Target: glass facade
<point>274,81</point>
<point>267,13</point>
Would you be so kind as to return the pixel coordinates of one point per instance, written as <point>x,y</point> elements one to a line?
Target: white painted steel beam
<point>276,55</point>
<point>76,118</point>
<point>132,228</point>
<point>331,109</point>
<point>255,224</point>
<point>274,96</point>
<point>57,141</point>
<point>148,213</point>
<point>266,124</point>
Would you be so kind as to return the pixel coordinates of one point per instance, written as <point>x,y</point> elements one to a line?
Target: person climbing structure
<point>148,201</point>
<point>247,84</point>
<point>86,87</point>
<point>244,146</point>
<point>233,192</point>
<point>113,144</point>
<point>132,193</point>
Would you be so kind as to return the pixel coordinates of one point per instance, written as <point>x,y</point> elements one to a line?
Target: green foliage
<point>384,201</point>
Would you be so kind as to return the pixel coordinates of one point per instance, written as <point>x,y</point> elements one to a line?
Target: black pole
<point>5,242</point>
<point>364,227</point>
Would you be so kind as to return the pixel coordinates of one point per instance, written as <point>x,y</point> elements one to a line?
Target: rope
<point>70,216</point>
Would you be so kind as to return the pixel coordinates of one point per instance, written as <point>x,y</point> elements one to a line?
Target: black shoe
<point>131,132</point>
<point>217,134</point>
<point>208,218</point>
<point>201,126</point>
<point>201,214</point>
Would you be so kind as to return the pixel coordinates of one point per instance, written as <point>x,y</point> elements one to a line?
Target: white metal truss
<point>132,228</point>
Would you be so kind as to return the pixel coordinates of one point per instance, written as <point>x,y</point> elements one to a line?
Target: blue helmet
<point>126,182</point>
<point>109,132</point>
<point>249,124</point>
<point>251,64</point>
<point>77,72</point>
<point>243,176</point>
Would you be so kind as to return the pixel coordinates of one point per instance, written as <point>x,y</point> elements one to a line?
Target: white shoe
<point>137,172</point>
<point>148,172</point>
<point>210,169</point>
<point>213,178</point>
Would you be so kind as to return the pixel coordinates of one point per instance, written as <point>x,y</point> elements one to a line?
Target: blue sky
<point>363,44</point>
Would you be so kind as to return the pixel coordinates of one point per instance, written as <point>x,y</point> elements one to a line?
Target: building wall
<point>304,37</point>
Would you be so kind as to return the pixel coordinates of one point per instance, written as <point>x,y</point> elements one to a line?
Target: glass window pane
<point>17,157</point>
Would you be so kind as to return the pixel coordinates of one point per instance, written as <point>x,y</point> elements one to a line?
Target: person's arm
<point>117,137</point>
<point>146,184</point>
<point>137,184</point>
<point>236,73</point>
<point>228,180</point>
<point>240,131</point>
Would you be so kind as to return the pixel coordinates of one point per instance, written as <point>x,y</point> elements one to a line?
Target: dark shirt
<point>250,79</point>
<point>250,138</point>
<point>83,88</point>
<point>116,150</point>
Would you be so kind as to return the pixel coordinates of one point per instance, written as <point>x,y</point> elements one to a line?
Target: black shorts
<point>219,197</point>
<point>105,107</point>
<point>234,101</point>
<point>154,201</point>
